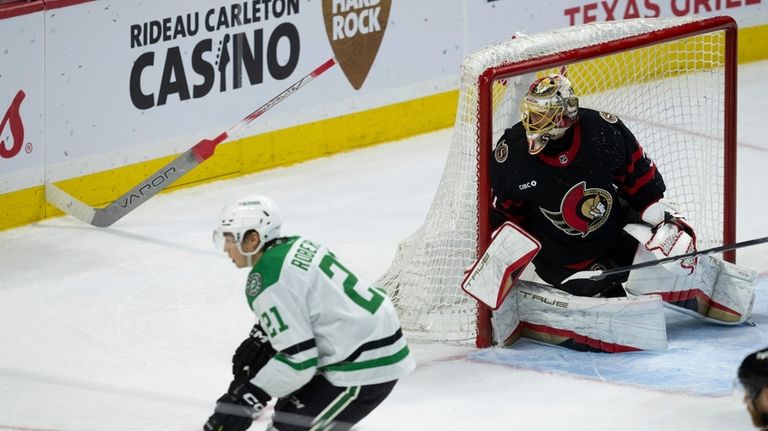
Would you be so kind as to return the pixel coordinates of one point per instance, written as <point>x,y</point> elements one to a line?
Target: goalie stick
<point>598,275</point>
<point>200,152</point>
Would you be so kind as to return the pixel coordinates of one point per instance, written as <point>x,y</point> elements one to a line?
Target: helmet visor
<point>221,238</point>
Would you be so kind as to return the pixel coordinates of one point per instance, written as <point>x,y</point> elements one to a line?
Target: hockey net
<point>671,80</point>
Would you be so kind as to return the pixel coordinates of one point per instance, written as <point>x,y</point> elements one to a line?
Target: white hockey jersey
<point>321,318</point>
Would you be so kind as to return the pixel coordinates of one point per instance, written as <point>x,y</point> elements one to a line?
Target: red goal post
<point>671,80</point>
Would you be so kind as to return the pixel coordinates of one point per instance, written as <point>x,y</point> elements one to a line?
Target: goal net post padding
<point>671,80</point>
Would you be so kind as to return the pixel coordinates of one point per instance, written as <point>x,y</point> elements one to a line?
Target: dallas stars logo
<point>253,285</point>
<point>582,210</point>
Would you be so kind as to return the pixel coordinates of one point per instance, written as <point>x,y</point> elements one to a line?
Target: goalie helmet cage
<point>671,80</point>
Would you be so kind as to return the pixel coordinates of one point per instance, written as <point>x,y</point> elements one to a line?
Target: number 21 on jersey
<point>273,327</point>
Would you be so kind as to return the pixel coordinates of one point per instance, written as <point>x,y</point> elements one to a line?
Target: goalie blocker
<point>492,276</point>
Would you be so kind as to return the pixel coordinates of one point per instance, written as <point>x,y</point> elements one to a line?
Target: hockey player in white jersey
<point>326,344</point>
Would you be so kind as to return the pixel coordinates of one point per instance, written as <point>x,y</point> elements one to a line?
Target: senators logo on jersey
<point>582,210</point>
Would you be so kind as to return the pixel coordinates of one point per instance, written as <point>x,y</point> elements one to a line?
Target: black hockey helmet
<point>753,372</point>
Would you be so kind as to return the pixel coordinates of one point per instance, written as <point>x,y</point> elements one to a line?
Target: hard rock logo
<point>582,210</point>
<point>355,29</point>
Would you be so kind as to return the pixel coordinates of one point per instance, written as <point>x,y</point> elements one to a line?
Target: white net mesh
<point>671,95</point>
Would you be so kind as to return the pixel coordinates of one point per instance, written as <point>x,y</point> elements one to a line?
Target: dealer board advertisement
<point>22,145</point>
<point>130,81</point>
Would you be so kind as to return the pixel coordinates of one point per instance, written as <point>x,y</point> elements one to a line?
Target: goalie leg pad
<point>551,316</point>
<point>506,321</point>
<point>717,291</point>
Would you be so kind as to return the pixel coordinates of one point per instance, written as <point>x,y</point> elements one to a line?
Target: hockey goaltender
<point>573,190</point>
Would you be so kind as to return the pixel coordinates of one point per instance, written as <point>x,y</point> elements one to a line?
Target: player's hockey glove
<point>236,410</point>
<point>252,354</point>
<point>672,235</point>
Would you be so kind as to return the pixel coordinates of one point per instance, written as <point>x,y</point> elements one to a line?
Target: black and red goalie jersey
<point>574,196</point>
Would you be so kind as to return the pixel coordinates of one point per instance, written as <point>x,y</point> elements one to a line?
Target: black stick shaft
<point>651,263</point>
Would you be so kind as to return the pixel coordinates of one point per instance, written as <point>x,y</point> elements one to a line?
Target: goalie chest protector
<point>568,195</point>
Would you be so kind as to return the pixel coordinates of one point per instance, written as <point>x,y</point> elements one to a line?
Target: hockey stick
<point>599,275</point>
<point>103,217</point>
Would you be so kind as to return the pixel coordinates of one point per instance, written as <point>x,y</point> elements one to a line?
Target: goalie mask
<point>548,110</point>
<point>250,213</point>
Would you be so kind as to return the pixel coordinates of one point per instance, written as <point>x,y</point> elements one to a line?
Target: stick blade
<point>589,275</point>
<point>63,201</point>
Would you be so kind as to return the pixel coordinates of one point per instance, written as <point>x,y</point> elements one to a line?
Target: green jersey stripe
<point>323,420</point>
<point>309,363</point>
<point>371,363</point>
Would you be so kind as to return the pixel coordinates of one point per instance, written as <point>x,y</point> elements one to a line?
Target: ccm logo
<point>527,185</point>
<point>12,119</point>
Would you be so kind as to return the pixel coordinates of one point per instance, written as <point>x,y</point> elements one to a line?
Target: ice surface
<point>133,327</point>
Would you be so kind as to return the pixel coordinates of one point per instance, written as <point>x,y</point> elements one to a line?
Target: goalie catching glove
<point>236,410</point>
<point>671,235</point>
